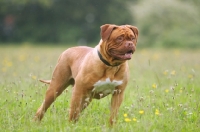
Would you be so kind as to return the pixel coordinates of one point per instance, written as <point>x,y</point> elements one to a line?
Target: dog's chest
<point>106,87</point>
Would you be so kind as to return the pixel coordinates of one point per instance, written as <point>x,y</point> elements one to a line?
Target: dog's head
<point>118,42</point>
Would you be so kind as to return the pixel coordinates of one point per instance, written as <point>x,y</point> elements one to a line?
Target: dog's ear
<point>106,30</point>
<point>134,29</point>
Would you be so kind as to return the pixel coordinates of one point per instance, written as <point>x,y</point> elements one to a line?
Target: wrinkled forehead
<point>122,30</point>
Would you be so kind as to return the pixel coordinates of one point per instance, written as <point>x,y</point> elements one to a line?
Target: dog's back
<point>74,57</point>
<point>71,59</point>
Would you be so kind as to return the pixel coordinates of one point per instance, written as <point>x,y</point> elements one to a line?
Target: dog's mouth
<point>128,54</point>
<point>124,56</point>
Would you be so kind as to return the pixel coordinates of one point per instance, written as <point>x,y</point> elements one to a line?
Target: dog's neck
<point>105,61</point>
<point>102,58</point>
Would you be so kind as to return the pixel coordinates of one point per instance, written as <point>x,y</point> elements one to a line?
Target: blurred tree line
<point>166,23</point>
<point>59,21</point>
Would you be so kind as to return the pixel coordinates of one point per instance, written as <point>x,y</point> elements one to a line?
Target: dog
<point>93,72</point>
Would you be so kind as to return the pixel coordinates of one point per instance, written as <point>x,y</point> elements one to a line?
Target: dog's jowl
<point>93,72</point>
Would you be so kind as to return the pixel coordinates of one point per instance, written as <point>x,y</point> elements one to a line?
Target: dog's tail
<point>45,81</point>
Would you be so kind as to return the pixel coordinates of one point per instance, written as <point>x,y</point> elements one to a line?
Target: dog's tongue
<point>128,55</point>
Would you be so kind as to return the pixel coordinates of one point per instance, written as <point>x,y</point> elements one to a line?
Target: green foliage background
<point>166,23</point>
<point>61,20</point>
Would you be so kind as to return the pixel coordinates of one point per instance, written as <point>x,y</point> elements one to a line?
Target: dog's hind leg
<point>60,80</point>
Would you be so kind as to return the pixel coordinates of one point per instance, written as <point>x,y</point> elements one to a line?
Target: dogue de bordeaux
<point>93,72</point>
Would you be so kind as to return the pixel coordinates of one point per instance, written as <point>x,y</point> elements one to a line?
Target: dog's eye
<point>132,38</point>
<point>120,38</point>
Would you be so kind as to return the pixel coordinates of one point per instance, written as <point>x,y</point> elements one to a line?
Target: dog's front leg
<point>79,102</point>
<point>116,101</point>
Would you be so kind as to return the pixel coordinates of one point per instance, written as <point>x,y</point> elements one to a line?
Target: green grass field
<point>163,93</point>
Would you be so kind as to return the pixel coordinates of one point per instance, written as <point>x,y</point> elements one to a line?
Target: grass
<point>162,94</point>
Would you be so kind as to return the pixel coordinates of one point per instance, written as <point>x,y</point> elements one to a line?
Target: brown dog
<point>94,72</point>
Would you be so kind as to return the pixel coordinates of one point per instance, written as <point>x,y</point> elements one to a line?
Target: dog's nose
<point>129,44</point>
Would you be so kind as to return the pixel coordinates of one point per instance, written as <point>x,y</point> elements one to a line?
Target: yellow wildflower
<point>166,90</point>
<point>6,62</point>
<point>157,112</point>
<point>154,85</point>
<point>36,58</point>
<point>173,72</point>
<point>4,69</point>
<point>14,74</point>
<point>156,56</point>
<point>127,119</point>
<point>125,115</point>
<point>190,76</point>
<point>165,72</point>
<point>141,112</point>
<point>177,53</point>
<point>34,77</point>
<point>134,119</point>
<point>22,57</point>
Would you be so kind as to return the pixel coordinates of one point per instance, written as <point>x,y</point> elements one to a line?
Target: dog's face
<point>119,41</point>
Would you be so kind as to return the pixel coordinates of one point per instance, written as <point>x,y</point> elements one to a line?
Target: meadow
<point>163,93</point>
